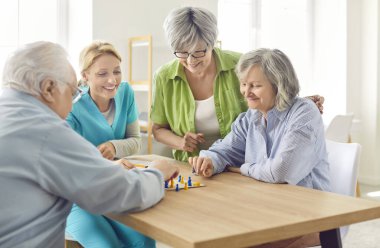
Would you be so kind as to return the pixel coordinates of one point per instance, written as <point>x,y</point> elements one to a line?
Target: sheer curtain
<point>312,33</point>
<point>24,21</point>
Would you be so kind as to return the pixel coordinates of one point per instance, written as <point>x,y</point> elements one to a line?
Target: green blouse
<point>174,104</point>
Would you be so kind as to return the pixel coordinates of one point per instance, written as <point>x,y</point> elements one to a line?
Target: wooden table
<point>237,211</point>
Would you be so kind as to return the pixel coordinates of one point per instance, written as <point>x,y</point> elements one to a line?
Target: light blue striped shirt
<point>290,148</point>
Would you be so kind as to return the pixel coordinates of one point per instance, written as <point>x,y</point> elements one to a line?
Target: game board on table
<point>181,183</point>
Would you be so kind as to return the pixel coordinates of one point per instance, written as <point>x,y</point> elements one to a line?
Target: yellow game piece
<point>186,187</point>
<point>196,184</point>
<point>172,183</point>
<point>182,180</point>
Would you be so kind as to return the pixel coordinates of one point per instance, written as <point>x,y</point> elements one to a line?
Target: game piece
<point>166,184</point>
<point>177,185</point>
<point>196,184</point>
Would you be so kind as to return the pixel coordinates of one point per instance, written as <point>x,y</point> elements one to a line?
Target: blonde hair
<point>93,51</point>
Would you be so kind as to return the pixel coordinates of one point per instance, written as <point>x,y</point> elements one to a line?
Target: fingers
<point>201,166</point>
<point>107,150</point>
<point>127,165</point>
<point>191,141</point>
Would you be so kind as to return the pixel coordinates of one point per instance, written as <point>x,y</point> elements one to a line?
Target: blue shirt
<point>290,148</point>
<point>45,166</point>
<point>87,120</point>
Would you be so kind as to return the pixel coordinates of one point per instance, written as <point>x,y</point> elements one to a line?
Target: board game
<point>180,183</point>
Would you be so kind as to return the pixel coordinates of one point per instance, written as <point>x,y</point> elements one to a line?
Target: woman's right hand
<point>190,141</point>
<point>202,166</point>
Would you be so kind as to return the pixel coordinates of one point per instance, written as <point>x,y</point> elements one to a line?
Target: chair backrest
<point>344,163</point>
<point>339,128</point>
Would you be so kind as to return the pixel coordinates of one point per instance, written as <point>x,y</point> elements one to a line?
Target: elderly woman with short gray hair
<point>196,96</point>
<point>280,139</point>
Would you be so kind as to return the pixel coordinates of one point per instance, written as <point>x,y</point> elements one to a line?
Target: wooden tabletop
<point>237,211</point>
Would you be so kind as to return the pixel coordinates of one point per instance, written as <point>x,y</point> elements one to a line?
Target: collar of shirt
<point>274,113</point>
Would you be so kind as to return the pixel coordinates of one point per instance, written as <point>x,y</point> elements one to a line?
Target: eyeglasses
<point>77,95</point>
<point>196,54</point>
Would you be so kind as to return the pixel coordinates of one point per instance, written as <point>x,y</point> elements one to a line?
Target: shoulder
<point>305,105</point>
<point>304,112</point>
<point>245,118</point>
<point>167,70</point>
<point>227,56</point>
<point>125,92</point>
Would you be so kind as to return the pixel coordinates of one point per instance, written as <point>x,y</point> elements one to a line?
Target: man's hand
<point>125,163</point>
<point>167,168</point>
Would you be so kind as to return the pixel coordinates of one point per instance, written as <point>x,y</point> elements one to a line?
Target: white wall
<point>363,82</point>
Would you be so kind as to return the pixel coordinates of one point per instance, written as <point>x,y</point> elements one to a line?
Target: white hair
<point>28,66</point>
<point>185,27</point>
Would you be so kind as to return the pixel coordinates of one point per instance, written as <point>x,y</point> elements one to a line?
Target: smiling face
<point>103,77</point>
<point>200,64</point>
<point>257,90</point>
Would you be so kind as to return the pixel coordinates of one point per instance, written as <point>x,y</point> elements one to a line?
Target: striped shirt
<point>289,148</point>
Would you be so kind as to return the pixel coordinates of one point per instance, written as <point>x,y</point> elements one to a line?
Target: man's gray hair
<point>28,66</point>
<point>187,26</point>
<point>277,68</point>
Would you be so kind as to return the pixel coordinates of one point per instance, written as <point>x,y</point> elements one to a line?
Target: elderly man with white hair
<point>45,166</point>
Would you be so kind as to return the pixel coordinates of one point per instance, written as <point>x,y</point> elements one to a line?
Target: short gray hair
<point>277,68</point>
<point>185,27</point>
<point>28,66</point>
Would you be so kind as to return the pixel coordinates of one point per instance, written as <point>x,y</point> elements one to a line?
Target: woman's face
<point>104,77</point>
<point>257,90</point>
<point>198,59</point>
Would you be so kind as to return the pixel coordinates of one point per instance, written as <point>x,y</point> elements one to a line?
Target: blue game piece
<point>189,182</point>
<point>176,187</point>
<point>179,178</point>
<point>166,184</point>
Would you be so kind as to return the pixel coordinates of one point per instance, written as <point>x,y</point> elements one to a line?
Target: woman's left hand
<point>107,150</point>
<point>318,100</point>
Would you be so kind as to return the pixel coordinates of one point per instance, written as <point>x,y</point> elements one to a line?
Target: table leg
<point>331,239</point>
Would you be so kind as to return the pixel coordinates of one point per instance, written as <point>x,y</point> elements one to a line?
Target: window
<point>25,21</point>
<point>310,32</point>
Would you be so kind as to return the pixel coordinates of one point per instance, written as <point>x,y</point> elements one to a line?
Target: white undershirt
<point>109,114</point>
<point>206,121</point>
